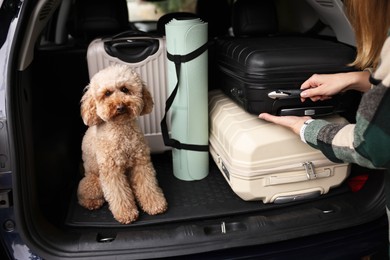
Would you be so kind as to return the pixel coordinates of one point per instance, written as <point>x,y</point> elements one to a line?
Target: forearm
<point>367,142</point>
<point>336,142</point>
<point>358,80</point>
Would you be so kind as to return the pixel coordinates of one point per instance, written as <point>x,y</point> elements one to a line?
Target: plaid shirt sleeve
<point>367,142</point>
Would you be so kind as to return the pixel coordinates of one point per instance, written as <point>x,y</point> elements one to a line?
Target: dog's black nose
<point>121,109</point>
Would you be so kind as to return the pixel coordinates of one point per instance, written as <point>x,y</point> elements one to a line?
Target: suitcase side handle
<point>284,94</point>
<point>132,50</point>
<point>297,197</point>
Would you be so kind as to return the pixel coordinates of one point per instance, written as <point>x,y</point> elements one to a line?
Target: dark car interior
<point>53,85</point>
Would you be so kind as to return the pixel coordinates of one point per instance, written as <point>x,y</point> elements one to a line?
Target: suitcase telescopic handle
<point>285,94</point>
<point>132,50</point>
<point>133,33</point>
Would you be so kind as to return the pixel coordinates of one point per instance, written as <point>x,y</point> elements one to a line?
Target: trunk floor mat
<point>209,197</point>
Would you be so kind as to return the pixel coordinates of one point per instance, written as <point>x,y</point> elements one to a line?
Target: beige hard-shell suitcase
<point>147,56</point>
<point>264,161</point>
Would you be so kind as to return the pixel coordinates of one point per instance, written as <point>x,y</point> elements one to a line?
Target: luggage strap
<point>178,60</point>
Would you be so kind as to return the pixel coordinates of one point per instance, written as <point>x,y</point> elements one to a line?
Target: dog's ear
<point>148,101</point>
<point>88,109</point>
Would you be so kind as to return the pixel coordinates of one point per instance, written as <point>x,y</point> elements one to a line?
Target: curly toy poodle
<point>116,158</point>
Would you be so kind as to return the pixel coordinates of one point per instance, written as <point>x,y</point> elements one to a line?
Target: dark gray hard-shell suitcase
<point>262,67</point>
<point>264,74</point>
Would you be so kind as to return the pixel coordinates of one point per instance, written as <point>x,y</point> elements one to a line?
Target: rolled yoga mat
<point>189,110</point>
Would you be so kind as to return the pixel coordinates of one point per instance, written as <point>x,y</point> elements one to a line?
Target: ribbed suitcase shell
<point>152,71</point>
<point>264,161</point>
<point>249,69</point>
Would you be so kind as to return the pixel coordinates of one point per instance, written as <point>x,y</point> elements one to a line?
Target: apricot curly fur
<point>116,158</point>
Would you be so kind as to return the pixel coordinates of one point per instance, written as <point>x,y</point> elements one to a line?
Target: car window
<point>141,10</point>
<point>8,11</point>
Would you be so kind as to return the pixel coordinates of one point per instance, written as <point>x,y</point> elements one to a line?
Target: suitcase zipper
<point>310,172</point>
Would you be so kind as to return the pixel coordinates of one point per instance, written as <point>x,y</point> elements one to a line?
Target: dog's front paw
<point>91,204</point>
<point>126,216</point>
<point>156,204</point>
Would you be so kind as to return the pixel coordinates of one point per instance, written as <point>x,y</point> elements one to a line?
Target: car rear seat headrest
<point>97,18</point>
<point>254,18</point>
<point>217,14</point>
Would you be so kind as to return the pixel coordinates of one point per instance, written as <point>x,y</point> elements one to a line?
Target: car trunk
<point>203,216</point>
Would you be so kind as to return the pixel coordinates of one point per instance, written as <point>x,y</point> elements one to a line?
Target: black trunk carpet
<point>187,200</point>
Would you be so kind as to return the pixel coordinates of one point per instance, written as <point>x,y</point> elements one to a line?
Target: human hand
<point>294,123</point>
<point>324,86</point>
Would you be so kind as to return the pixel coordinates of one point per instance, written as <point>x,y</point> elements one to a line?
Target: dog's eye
<point>107,93</point>
<point>124,90</point>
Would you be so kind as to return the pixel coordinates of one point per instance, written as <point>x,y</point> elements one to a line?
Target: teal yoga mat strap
<point>178,60</point>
